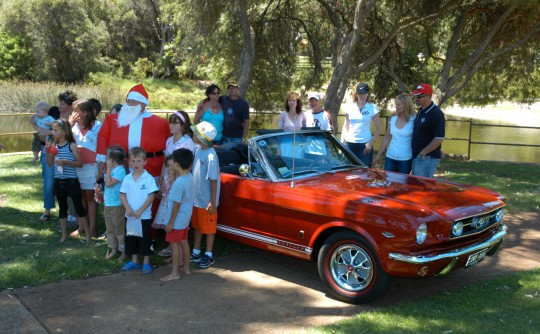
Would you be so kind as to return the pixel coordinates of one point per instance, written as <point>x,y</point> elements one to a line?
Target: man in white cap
<point>135,126</point>
<point>316,116</point>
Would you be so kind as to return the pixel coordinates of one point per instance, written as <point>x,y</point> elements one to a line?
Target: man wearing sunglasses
<point>428,133</point>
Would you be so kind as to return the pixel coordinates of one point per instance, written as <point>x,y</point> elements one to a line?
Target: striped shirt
<point>69,172</point>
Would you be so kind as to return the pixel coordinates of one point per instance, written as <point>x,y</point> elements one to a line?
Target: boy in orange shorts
<point>206,183</point>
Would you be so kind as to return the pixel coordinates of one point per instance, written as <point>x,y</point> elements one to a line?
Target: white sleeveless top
<point>400,144</point>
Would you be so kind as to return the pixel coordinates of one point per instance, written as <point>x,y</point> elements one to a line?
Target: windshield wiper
<point>289,174</point>
<point>344,166</point>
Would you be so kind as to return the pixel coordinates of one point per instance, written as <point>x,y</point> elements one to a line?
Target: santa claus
<point>135,126</point>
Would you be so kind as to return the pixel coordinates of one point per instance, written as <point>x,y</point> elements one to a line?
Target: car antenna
<point>293,158</point>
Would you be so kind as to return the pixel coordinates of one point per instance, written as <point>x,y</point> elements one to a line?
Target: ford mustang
<point>304,194</point>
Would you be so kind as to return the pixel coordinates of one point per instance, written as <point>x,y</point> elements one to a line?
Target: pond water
<point>16,134</point>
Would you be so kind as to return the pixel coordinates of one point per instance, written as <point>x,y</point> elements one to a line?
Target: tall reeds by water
<point>22,96</point>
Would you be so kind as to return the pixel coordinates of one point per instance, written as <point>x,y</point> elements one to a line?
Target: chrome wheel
<point>351,267</point>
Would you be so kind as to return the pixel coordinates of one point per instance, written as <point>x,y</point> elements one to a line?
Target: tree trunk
<point>247,58</point>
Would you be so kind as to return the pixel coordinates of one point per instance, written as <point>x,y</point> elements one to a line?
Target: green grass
<point>519,183</point>
<point>30,253</point>
<point>508,304</point>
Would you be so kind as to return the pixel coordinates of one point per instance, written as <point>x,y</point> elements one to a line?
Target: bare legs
<point>176,253</point>
<point>198,240</point>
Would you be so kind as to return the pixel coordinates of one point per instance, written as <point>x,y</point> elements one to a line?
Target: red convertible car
<point>304,194</point>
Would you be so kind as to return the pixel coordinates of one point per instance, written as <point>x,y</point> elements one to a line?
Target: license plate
<point>476,257</point>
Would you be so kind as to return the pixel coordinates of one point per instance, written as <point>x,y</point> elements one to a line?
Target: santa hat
<point>138,93</point>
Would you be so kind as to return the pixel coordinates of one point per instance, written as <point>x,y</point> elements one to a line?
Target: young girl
<point>114,210</point>
<point>181,137</point>
<point>66,157</point>
<point>164,187</point>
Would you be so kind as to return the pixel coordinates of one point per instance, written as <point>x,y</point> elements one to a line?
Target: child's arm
<point>145,205</point>
<point>174,213</point>
<point>213,192</point>
<point>109,180</point>
<point>50,157</point>
<point>129,210</point>
<point>78,160</point>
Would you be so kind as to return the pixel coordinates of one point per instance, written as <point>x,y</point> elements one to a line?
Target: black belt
<point>154,154</point>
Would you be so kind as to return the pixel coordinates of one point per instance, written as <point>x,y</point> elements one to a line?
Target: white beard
<point>128,114</point>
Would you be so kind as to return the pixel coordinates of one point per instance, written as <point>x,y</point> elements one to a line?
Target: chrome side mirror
<point>244,170</point>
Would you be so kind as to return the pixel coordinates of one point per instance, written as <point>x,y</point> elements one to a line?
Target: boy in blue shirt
<point>179,209</point>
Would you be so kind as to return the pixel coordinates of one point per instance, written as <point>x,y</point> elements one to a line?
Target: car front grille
<point>476,224</point>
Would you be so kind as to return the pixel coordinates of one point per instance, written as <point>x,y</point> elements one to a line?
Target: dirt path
<point>244,293</point>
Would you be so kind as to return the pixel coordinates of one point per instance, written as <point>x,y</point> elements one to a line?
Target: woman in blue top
<point>398,137</point>
<point>211,111</point>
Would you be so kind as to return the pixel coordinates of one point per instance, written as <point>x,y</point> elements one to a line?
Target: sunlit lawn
<point>31,255</point>
<point>509,304</point>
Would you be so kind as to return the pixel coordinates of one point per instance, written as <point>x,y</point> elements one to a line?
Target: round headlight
<point>499,215</point>
<point>421,234</point>
<point>457,229</point>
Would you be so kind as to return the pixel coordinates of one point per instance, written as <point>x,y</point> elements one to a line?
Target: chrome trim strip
<point>258,237</point>
<point>457,252</point>
<point>481,214</point>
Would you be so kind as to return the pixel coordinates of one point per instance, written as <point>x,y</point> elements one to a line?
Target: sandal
<point>147,269</point>
<point>165,252</point>
<point>44,217</point>
<point>130,266</point>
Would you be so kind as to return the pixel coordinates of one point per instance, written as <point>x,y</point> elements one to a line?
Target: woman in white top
<point>398,137</point>
<point>85,129</point>
<point>293,118</point>
<point>358,118</point>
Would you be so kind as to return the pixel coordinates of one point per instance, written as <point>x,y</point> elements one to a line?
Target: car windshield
<point>305,153</point>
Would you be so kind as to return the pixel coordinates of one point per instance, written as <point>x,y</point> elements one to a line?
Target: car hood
<point>449,200</point>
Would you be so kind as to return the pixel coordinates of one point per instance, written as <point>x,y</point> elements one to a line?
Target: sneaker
<point>195,258</point>
<point>205,262</point>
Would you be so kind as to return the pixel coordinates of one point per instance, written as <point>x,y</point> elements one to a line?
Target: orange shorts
<point>204,221</point>
<point>177,235</point>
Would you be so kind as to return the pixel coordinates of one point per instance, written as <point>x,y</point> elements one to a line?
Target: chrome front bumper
<point>494,240</point>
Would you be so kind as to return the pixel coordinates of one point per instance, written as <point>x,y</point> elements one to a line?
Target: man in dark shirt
<point>236,115</point>
<point>428,133</point>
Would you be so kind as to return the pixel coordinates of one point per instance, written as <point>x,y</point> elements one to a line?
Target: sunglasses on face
<point>419,96</point>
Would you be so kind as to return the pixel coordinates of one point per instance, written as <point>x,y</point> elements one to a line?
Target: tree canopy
<point>471,51</point>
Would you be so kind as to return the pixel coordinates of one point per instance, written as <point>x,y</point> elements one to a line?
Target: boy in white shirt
<point>137,194</point>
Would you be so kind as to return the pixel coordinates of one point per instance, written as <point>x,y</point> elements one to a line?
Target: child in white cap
<point>206,183</point>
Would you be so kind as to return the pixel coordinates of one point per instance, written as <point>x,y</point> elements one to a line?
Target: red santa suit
<point>147,131</point>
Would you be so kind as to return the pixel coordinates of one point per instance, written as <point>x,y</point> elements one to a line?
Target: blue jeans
<point>47,173</point>
<point>358,150</point>
<point>231,140</point>
<point>425,167</point>
<point>400,166</point>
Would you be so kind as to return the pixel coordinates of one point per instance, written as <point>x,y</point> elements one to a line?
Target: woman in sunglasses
<point>211,111</point>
